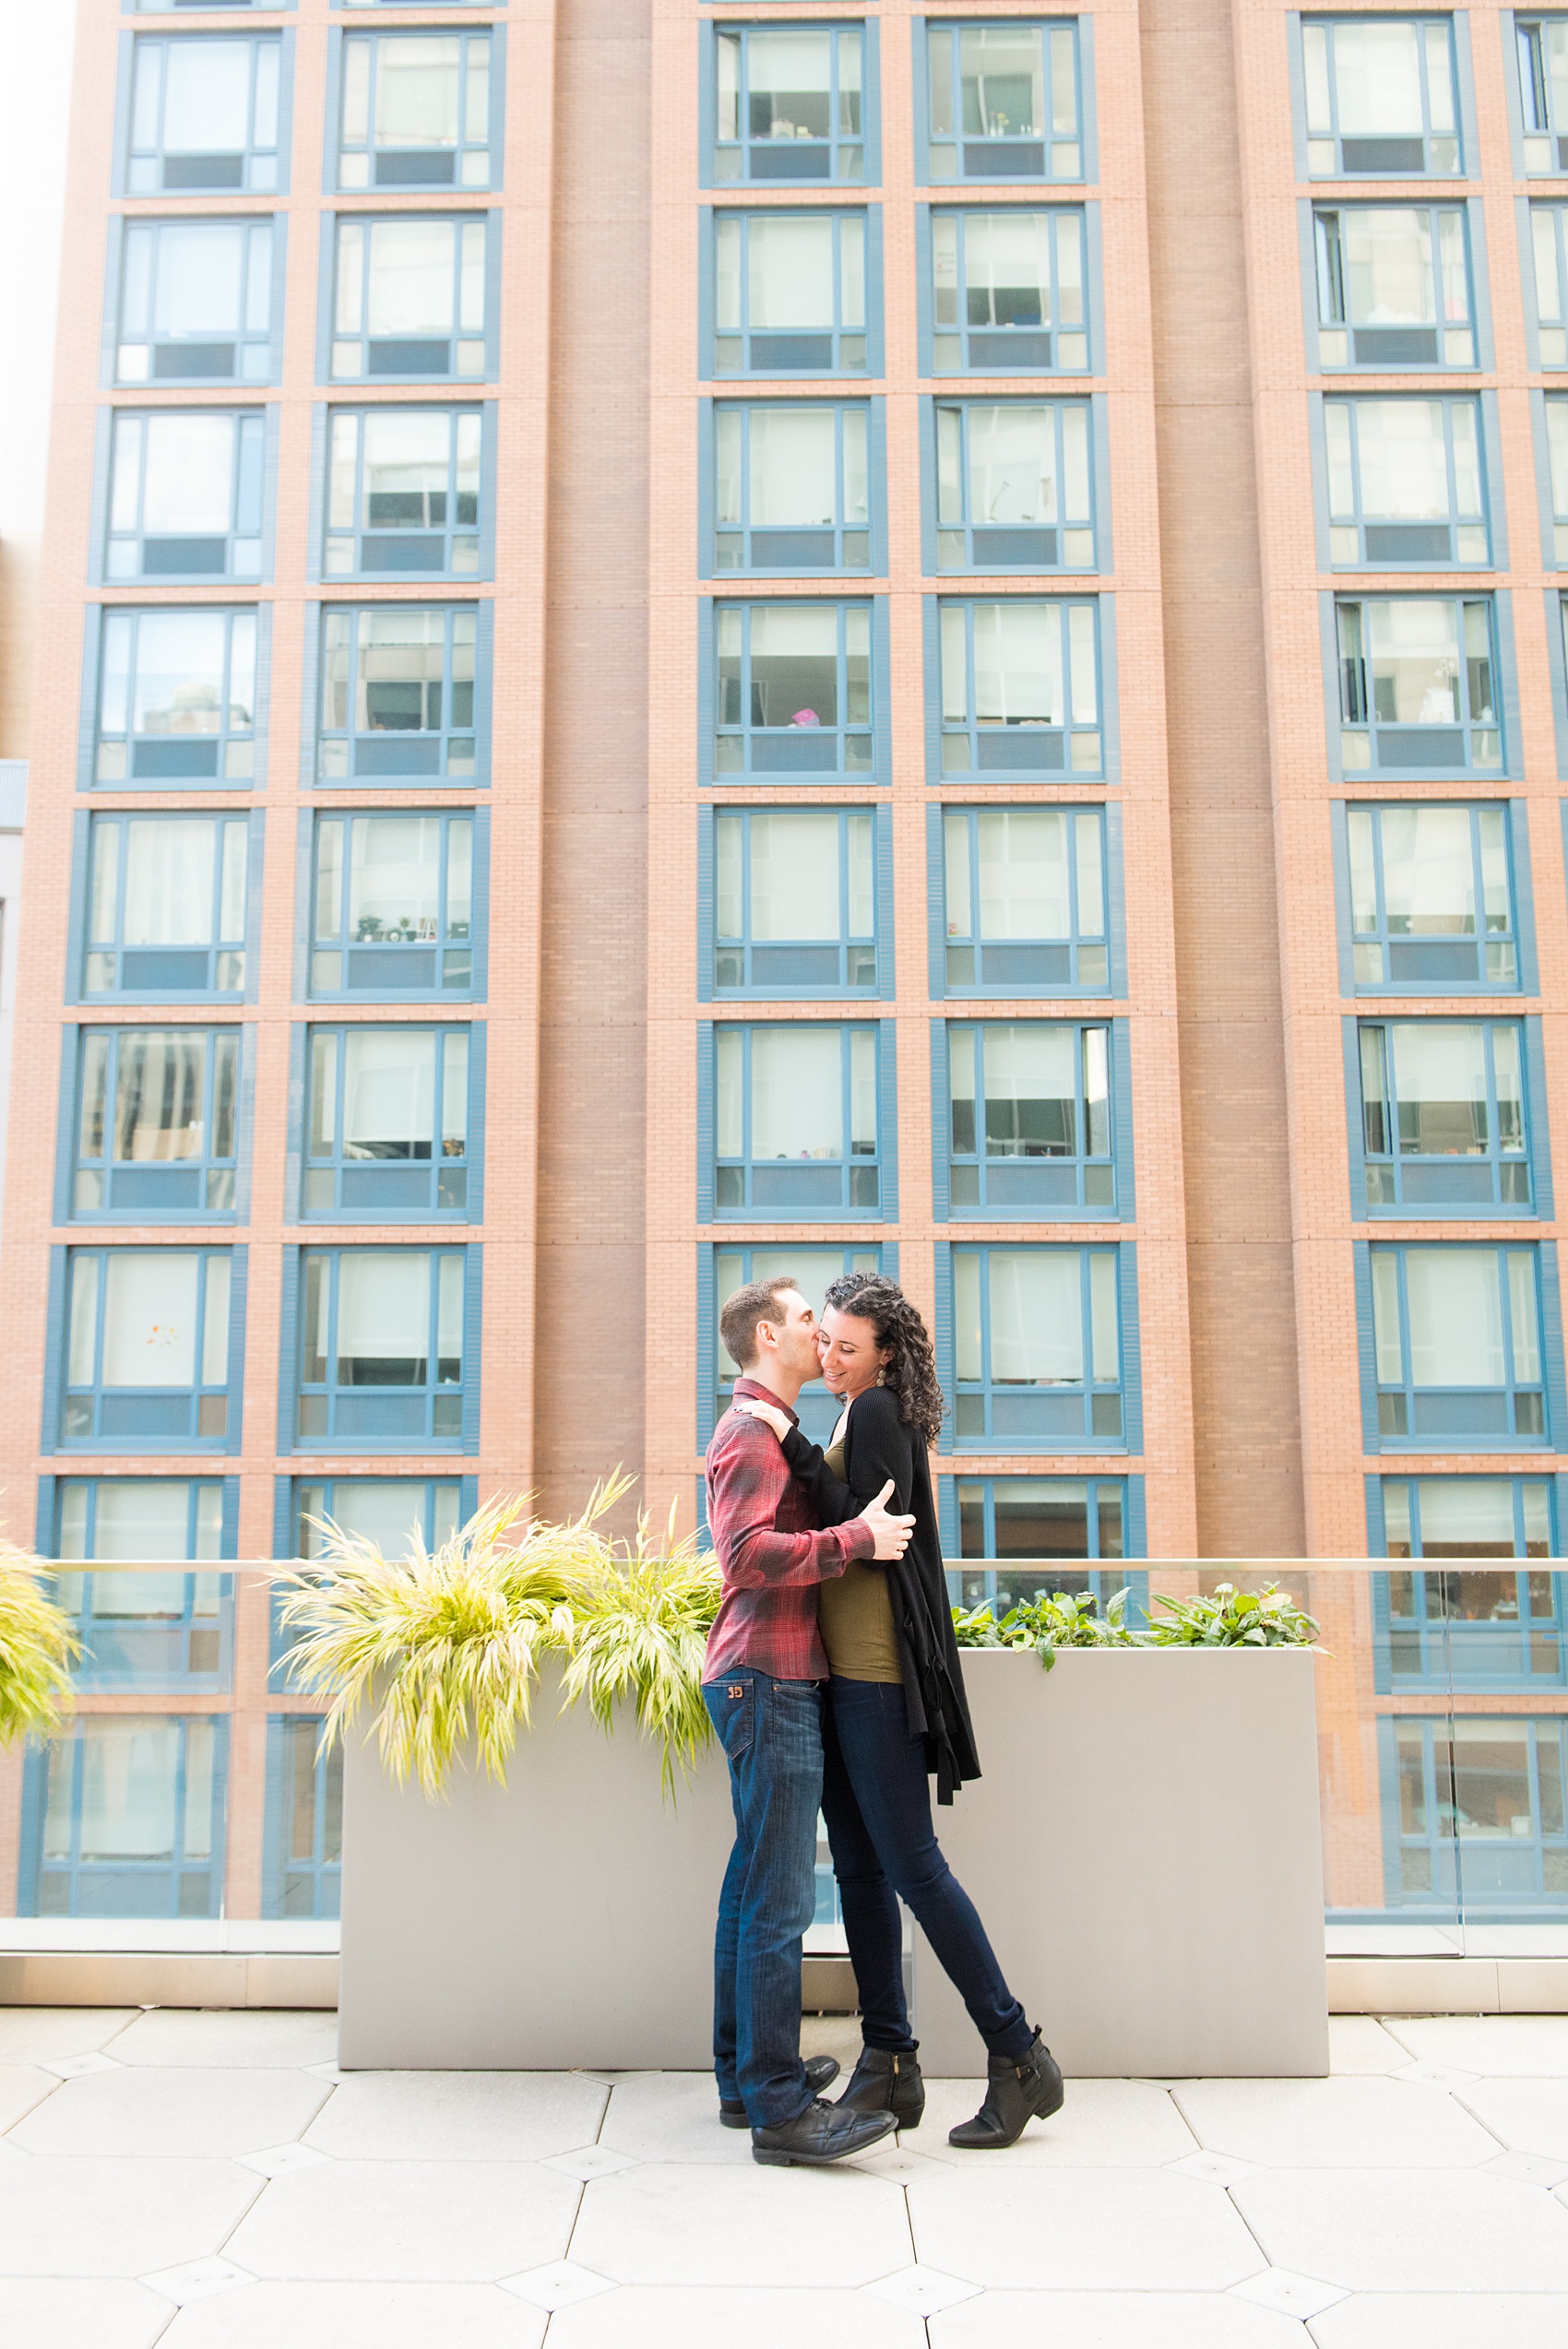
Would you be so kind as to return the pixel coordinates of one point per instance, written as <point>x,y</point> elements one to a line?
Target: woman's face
<point>850,1358</point>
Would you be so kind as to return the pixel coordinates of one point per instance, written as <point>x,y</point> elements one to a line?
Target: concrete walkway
<point>209,2182</point>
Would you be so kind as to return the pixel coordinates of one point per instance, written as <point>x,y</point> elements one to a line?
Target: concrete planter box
<point>1144,1848</point>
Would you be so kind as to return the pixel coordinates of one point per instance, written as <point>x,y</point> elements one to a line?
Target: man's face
<point>794,1346</point>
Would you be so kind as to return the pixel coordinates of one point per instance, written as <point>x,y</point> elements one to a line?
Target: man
<point>762,1682</point>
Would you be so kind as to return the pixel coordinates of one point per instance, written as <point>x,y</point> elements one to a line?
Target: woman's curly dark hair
<point>910,1370</point>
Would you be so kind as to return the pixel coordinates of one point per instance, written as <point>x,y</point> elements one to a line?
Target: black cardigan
<point>878,1444</point>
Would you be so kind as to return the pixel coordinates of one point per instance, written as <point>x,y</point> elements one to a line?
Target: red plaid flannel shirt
<point>771,1555</point>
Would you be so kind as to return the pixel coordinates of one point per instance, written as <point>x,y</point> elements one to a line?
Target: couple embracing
<point>833,1681</point>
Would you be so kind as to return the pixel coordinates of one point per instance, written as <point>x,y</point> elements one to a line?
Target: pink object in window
<point>805,717</point>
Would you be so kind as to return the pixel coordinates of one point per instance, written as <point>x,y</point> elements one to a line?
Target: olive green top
<point>855,1612</point>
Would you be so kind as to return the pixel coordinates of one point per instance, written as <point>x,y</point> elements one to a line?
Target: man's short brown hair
<point>758,1301</point>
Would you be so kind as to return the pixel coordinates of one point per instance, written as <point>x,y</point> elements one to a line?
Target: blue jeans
<point>771,1732</point>
<point>876,1800</point>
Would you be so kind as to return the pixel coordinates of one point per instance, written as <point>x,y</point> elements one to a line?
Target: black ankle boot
<point>885,2083</point>
<point>821,2072</point>
<point>1016,2094</point>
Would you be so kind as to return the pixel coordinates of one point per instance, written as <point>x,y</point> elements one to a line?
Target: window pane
<point>1428,871</point>
<point>199,278</point>
<point>84,1320</point>
<point>794,663</point>
<point>1404,458</point>
<point>797,1093</point>
<point>1017,665</point>
<point>793,467</point>
<point>145,1519</point>
<point>169,875</point>
<point>390,1515</point>
<point>1414,662</point>
<point>395,878</point>
<point>214,1323</point>
<point>388,1094</point>
<point>416,92</point>
<point>789,271</point>
<point>1012,465</point>
<point>955,849</point>
<point>1007,269</point>
<point>158,1097</point>
<point>969,1357</point>
<point>179,680</point>
<point>1024,888</point>
<point>1388,268</point>
<point>1036,1318</point>
<point>150,1320</point>
<point>1523,1315</point>
<point>795,876</point>
<point>129,1775</point>
<point>188,483</point>
<point>411,272</point>
<point>1385,1320</point>
<point>383,1318</point>
<point>1467,1517</point>
<point>1456,1317</point>
<point>1440,1077</point>
<point>1030,1092</point>
<point>1377,79</point>
<point>1491,1777</point>
<point>199,1741</point>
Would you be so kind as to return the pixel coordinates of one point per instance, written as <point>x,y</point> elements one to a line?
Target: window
<point>204,113</point>
<point>1035,1533</point>
<point>386,1122</point>
<point>403,492</point>
<point>813,1269</point>
<point>1443,1114</point>
<point>1456,1335</point>
<point>381,1346</point>
<point>1475,1811</point>
<point>1543,90</point>
<point>1012,486</point>
<point>795,901</point>
<point>410,297</point>
<point>157,1123</point>
<point>1020,688</point>
<point>197,302</point>
<point>393,905</point>
<point>1024,900</point>
<point>145,1629</point>
<point>185,497</point>
<point>1380,97</point>
<point>176,697</point>
<point>151,1347</point>
<point>1393,287</point>
<point>1551,282</point>
<point>1417,683</point>
<point>1467,1517</point>
<point>397,694</point>
<point>123,1816</point>
<point>302,1868</point>
<point>790,103</point>
<point>1432,897</point>
<point>793,692</point>
<point>798,1129</point>
<point>173,7</point>
<point>1037,1359</point>
<point>1406,483</point>
<point>388,1511</point>
<point>416,110</point>
<point>1008,293</point>
<point>1004,101</point>
<point>166,910</point>
<point>789,293</point>
<point>793,488</point>
<point>1556,412</point>
<point>1462,1625</point>
<point>1030,1118</point>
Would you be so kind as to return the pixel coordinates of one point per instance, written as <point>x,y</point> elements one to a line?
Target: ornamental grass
<point>37,1650</point>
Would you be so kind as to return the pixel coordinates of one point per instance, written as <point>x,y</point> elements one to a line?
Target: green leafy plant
<point>1044,1623</point>
<point>640,1629</point>
<point>1268,1617</point>
<point>37,1650</point>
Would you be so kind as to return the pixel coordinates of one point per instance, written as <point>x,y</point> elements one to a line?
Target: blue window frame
<point>177,697</point>
<point>303,1838</point>
<point>204,113</point>
<point>387,1113</point>
<point>393,906</point>
<point>1014,1536</point>
<point>1442,1111</point>
<point>1468,1626</point>
<point>1009,293</point>
<point>98,1520</point>
<point>1555,473</point>
<point>1020,687</point>
<point>186,495</point>
<point>1468,1518</point>
<point>419,110</point>
<point>1393,287</point>
<point>1003,101</point>
<point>143,1629</point>
<point>793,694</point>
<point>1419,684</point>
<point>1015,485</point>
<point>795,293</point>
<point>385,1510</point>
<point>411,297</point>
<point>1038,1350</point>
<point>800,1125</point>
<point>407,493</point>
<point>794,899</point>
<point>383,1351</point>
<point>1019,901</point>
<point>1432,899</point>
<point>401,699</point>
<point>168,907</point>
<point>797,486</point>
<point>1541,54</point>
<point>1456,1344</point>
<point>1474,1813</point>
<point>198,302</point>
<point>157,1131</point>
<point>1382,97</point>
<point>1549,231</point>
<point>153,1349</point>
<point>726,1269</point>
<point>1025,1111</point>
<point>123,1816</point>
<point>1406,480</point>
<point>791,102</point>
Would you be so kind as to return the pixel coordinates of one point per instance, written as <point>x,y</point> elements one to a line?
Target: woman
<point>896,1712</point>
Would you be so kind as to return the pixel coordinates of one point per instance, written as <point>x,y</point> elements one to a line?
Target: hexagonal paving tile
<point>460,2115</point>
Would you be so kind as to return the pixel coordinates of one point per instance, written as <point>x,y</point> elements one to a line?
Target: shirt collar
<point>760,1393</point>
